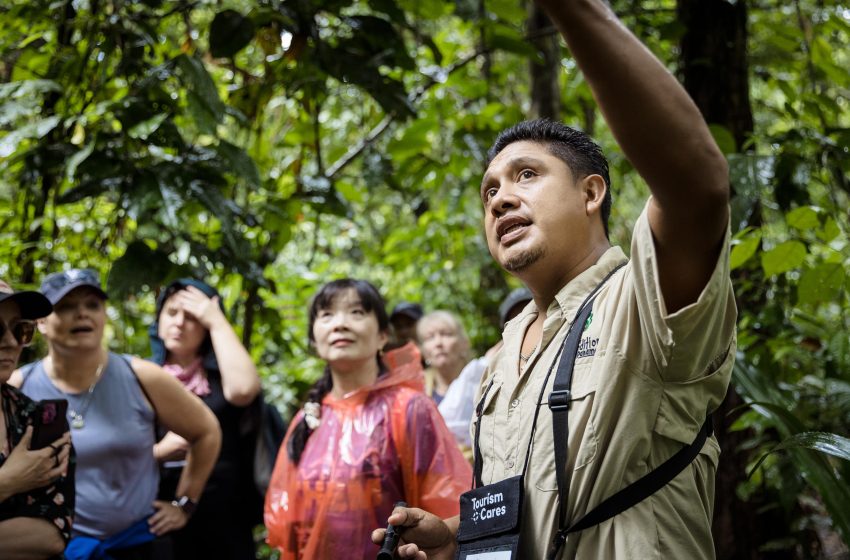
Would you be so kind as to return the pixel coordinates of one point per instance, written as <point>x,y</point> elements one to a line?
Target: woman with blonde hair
<point>451,377</point>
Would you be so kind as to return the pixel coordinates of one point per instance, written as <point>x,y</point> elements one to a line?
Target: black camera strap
<point>559,404</point>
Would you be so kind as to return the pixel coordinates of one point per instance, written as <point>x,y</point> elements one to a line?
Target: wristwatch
<point>187,504</point>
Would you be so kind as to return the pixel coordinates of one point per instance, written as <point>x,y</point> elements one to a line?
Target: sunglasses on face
<point>22,330</point>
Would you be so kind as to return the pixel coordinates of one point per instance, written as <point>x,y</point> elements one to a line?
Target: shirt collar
<point>574,292</point>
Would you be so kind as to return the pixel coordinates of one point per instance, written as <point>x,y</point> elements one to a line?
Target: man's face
<point>534,214</point>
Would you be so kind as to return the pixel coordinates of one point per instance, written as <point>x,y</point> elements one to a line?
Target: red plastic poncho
<point>376,446</point>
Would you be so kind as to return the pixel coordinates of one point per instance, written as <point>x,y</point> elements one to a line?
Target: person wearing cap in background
<point>36,486</point>
<point>403,320</point>
<point>403,345</point>
<point>510,307</point>
<point>114,404</point>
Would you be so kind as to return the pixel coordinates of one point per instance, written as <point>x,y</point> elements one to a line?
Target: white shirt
<point>458,403</point>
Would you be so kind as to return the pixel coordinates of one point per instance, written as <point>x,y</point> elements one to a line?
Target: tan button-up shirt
<point>643,383</point>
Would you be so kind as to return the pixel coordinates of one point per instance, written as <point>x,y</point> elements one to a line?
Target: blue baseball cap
<point>59,284</point>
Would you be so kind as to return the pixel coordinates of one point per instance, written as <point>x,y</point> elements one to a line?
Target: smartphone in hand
<point>49,422</point>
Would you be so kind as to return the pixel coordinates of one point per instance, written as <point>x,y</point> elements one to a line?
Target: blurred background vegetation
<point>271,145</point>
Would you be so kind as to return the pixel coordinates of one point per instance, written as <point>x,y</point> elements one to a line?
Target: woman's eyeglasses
<point>22,330</point>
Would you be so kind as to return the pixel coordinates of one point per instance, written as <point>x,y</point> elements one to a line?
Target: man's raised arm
<point>663,134</point>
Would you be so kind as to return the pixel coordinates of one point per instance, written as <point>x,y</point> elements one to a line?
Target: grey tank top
<point>117,476</point>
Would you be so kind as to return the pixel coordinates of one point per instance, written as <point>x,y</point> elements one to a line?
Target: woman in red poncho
<point>366,438</point>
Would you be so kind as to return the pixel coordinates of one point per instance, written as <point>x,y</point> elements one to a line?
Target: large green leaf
<point>38,129</point>
<point>139,266</point>
<point>782,258</point>
<point>349,66</point>
<point>803,218</point>
<point>821,284</point>
<point>240,162</point>
<point>744,249</point>
<point>230,32</point>
<point>27,88</point>
<point>831,444</point>
<point>378,41</point>
<point>759,389</point>
<point>145,128</point>
<point>724,139</point>
<point>510,42</point>
<point>201,84</point>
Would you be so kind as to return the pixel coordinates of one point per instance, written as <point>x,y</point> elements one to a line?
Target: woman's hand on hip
<point>167,517</point>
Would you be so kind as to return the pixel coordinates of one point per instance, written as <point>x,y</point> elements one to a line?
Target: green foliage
<point>271,146</point>
<point>830,444</point>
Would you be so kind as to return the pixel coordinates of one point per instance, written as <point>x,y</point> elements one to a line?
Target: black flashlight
<point>390,539</point>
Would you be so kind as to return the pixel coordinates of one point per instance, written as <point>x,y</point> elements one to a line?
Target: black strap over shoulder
<point>559,404</point>
<point>647,485</point>
<point>637,491</point>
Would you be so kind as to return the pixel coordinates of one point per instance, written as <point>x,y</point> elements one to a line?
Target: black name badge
<point>489,521</point>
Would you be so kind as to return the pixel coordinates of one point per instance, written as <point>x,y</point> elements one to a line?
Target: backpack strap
<point>648,484</point>
<point>559,405</point>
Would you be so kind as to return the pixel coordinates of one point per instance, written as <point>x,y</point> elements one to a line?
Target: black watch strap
<point>187,504</point>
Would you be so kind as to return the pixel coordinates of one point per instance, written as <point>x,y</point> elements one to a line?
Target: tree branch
<point>382,126</point>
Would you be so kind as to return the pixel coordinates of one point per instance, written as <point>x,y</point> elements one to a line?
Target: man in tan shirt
<point>655,355</point>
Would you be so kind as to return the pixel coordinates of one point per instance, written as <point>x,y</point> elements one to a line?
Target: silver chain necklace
<point>525,358</point>
<point>78,420</point>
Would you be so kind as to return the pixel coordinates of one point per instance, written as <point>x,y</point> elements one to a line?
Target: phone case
<point>49,422</point>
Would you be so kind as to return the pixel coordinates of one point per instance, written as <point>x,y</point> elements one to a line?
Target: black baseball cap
<point>57,285</point>
<point>408,309</point>
<point>520,296</point>
<point>33,305</point>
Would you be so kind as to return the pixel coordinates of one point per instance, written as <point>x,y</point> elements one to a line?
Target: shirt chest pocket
<point>582,440</point>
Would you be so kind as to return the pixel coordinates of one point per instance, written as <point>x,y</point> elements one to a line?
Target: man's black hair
<point>575,148</point>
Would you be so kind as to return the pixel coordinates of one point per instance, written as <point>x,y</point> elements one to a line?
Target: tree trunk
<point>715,70</point>
<point>544,69</point>
<point>44,162</point>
